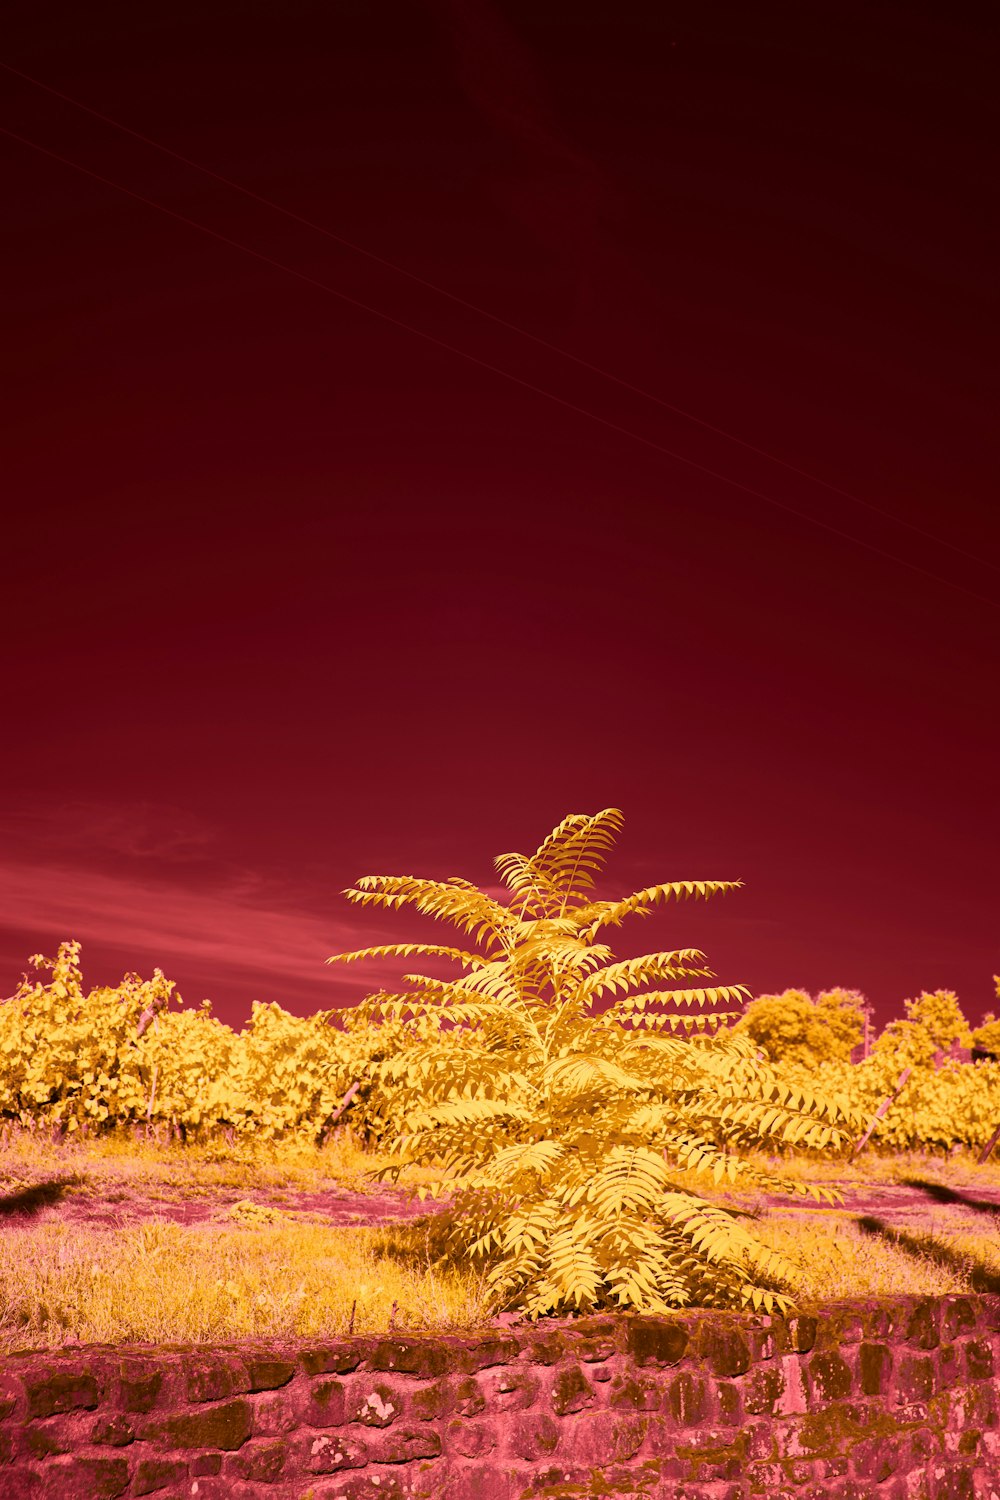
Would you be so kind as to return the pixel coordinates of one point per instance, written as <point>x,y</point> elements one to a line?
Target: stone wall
<point>863,1402</point>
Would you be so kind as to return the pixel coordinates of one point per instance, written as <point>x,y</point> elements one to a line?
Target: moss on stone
<point>410,1357</point>
<point>156,1473</point>
<point>138,1393</point>
<point>53,1393</point>
<point>725,1350</point>
<point>226,1427</point>
<point>268,1374</point>
<point>875,1364</point>
<point>571,1391</point>
<point>331,1359</point>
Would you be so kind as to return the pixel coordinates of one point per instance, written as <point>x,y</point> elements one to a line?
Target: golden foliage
<point>794,1027</point>
<point>563,1125</point>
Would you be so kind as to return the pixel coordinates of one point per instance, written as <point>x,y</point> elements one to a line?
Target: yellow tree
<point>560,1108</point>
<point>793,1027</point>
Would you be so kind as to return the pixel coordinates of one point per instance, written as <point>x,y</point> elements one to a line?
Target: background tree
<point>794,1028</point>
<point>933,1021</point>
<point>987,1036</point>
<point>565,1108</point>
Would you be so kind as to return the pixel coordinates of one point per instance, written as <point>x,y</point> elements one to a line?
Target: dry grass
<point>160,1282</point>
<point>840,1256</point>
<point>266,1274</point>
<point>125,1162</point>
<point>955,1169</point>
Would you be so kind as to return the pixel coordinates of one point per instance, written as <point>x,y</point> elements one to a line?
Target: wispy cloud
<point>217,929</point>
<point>192,915</point>
<point>140,830</point>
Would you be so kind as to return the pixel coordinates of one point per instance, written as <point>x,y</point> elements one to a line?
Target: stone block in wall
<point>335,1358</point>
<point>877,1458</point>
<point>401,1445</point>
<point>21,1483</point>
<point>978,1359</point>
<point>226,1427</point>
<point>55,1435</point>
<point>923,1328</point>
<point>989,1310</point>
<point>979,1405</point>
<point>481,1481</point>
<point>531,1435</point>
<point>469,1398</point>
<point>79,1475</point>
<point>630,1393</point>
<point>511,1389</point>
<point>828,1377</point>
<point>470,1438</point>
<point>484,1353</point>
<point>321,1402</point>
<point>429,1403</point>
<point>802,1333</point>
<point>724,1348</point>
<point>729,1403</point>
<point>595,1342</point>
<point>261,1461</point>
<point>874,1369</point>
<point>762,1390</point>
<point>327,1452</point>
<point>50,1391</point>
<point>138,1386</point>
<point>915,1380</point>
<point>13,1402</point>
<point>114,1431</point>
<point>154,1474</point>
<point>205,1463</point>
<point>793,1398</point>
<point>272,1416</point>
<point>846,1327</point>
<point>546,1348</point>
<point>372,1402</point>
<point>423,1357</point>
<point>958,1316</point>
<point>264,1374</point>
<point>570,1391</point>
<point>601,1438</point>
<point>208,1378</point>
<point>365,1486</point>
<point>689,1399</point>
<point>655,1342</point>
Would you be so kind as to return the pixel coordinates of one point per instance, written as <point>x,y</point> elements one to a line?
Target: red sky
<point>294,594</point>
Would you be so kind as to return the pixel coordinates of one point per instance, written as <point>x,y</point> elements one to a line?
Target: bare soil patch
<point>916,1204</point>
<point>71,1202</point>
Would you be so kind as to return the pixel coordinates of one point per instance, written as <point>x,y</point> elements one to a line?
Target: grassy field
<point>273,1271</point>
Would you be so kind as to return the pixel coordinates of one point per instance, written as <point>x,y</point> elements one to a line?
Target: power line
<point>500,321</point>
<point>487,365</point>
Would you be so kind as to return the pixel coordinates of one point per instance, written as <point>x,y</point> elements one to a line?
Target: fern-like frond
<point>573,1268</point>
<point>717,995</point>
<point>575,848</point>
<point>468,1112</point>
<point>632,1179</point>
<point>520,876</point>
<point>578,1074</point>
<point>631,971</point>
<point>454,901</point>
<point>563,866</point>
<point>612,913</point>
<point>535,1156</point>
<point>404,950</point>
